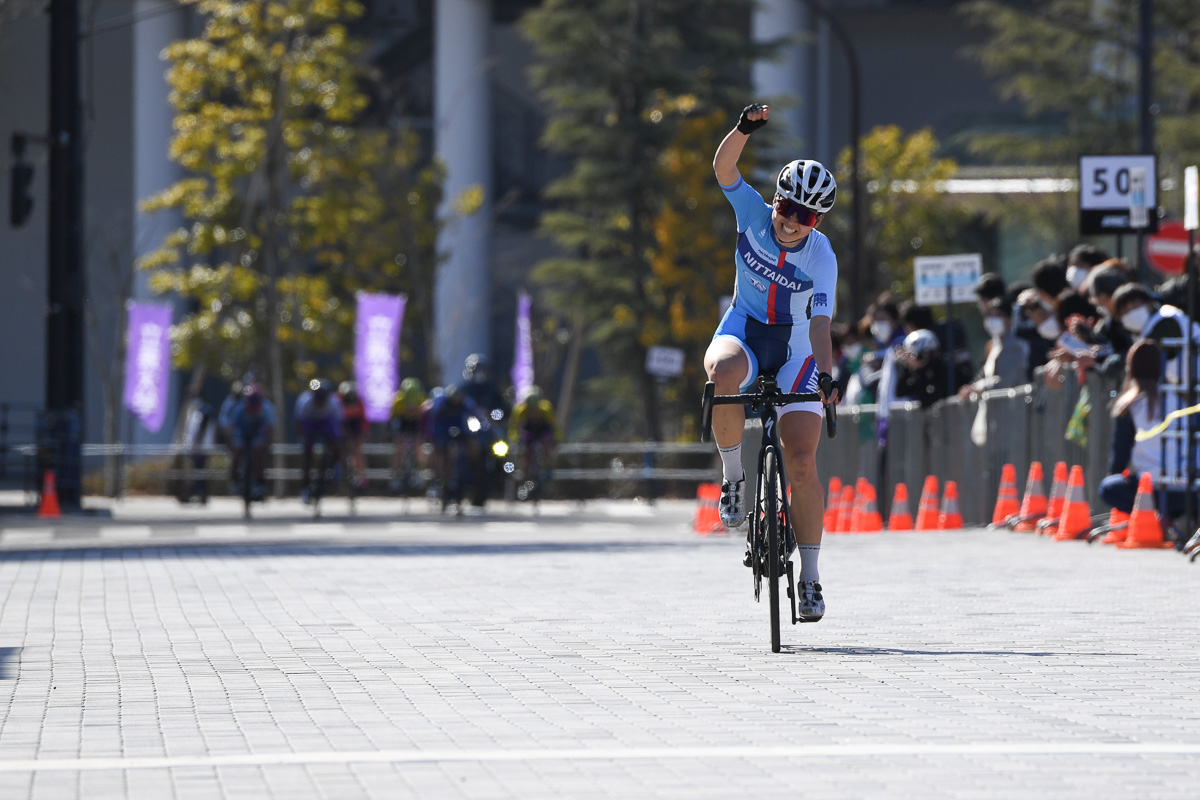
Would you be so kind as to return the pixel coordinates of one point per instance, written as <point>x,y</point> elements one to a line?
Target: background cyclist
<point>252,428</point>
<point>406,433</point>
<point>318,417</point>
<point>533,428</point>
<point>780,319</point>
<point>354,423</point>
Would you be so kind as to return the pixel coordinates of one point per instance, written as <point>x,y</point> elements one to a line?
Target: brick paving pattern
<point>595,652</point>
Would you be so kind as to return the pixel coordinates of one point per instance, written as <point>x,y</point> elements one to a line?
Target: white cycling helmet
<point>808,183</point>
<point>921,342</point>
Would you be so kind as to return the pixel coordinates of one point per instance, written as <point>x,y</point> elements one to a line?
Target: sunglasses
<point>802,215</point>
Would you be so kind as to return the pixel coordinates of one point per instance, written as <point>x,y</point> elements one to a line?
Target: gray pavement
<point>600,650</point>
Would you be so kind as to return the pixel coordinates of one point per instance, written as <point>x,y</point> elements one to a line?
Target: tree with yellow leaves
<point>290,204</point>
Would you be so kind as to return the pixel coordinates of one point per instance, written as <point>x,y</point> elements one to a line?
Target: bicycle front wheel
<point>768,507</point>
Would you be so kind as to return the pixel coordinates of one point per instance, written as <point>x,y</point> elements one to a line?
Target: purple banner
<point>376,350</point>
<point>148,363</point>
<point>522,369</point>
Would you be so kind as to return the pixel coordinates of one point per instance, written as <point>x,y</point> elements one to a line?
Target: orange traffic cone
<point>900,518</point>
<point>845,510</point>
<point>950,518</point>
<point>1033,506</point>
<point>1076,519</point>
<point>831,505</point>
<point>927,507</point>
<point>1145,528</point>
<point>1118,527</point>
<point>1007,503</point>
<point>708,518</point>
<point>49,506</point>
<point>1058,497</point>
<point>860,499</point>
<point>872,520</point>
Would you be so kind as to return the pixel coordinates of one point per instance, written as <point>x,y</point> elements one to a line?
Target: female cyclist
<point>779,320</point>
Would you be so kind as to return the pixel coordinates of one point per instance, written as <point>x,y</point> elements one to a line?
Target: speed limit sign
<point>1112,189</point>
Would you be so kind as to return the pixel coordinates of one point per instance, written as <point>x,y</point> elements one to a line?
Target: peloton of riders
<point>427,431</point>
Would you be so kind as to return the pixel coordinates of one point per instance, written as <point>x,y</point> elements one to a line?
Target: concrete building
<point>465,61</point>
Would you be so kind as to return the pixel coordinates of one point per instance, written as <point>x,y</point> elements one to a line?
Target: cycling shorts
<point>326,428</point>
<point>782,349</point>
<point>536,433</point>
<point>355,426</point>
<point>443,429</point>
<point>255,437</point>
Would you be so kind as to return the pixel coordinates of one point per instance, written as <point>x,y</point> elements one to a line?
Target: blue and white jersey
<point>778,285</point>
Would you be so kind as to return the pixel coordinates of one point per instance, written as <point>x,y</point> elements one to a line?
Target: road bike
<point>771,539</point>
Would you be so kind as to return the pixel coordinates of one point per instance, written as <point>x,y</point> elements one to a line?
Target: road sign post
<point>1191,221</point>
<point>949,280</point>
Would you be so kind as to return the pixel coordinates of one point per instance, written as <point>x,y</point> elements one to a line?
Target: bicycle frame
<point>780,536</point>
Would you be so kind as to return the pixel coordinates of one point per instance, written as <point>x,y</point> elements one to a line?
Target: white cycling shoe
<point>732,507</point>
<point>810,606</point>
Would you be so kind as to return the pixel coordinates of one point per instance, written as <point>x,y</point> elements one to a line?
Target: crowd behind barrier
<point>1023,424</point>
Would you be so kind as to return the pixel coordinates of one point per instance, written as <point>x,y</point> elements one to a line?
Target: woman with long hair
<point>1139,407</point>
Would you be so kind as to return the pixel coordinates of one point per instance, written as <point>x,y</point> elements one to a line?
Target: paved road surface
<point>595,651</point>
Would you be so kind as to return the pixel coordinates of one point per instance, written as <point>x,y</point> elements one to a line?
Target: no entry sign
<point>1167,250</point>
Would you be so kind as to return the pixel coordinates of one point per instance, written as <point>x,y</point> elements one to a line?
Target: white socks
<point>808,561</point>
<point>731,462</point>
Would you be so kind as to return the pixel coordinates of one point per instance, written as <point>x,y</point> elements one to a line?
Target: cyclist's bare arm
<point>822,349</point>
<point>730,150</point>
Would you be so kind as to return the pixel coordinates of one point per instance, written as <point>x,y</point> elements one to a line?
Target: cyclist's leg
<point>728,364</point>
<point>799,432</point>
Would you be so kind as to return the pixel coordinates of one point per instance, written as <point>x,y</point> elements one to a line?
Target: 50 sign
<point>1107,188</point>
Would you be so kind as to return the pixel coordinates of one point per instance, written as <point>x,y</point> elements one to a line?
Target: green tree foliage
<point>905,213</point>
<point>1073,66</point>
<point>290,205</point>
<point>622,79</point>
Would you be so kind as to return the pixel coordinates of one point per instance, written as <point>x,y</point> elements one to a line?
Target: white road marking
<point>27,535</point>
<point>125,532</point>
<point>610,754</point>
<point>222,530</point>
<point>318,529</point>
<point>627,510</point>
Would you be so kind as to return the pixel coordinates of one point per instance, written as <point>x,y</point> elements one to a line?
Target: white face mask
<point>1049,328</point>
<point>1076,277</point>
<point>852,351</point>
<point>1135,319</point>
<point>994,326</point>
<point>881,329</point>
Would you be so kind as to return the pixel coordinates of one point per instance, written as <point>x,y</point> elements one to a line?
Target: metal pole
<point>65,276</point>
<point>1146,109</point>
<point>1190,376</point>
<point>949,354</point>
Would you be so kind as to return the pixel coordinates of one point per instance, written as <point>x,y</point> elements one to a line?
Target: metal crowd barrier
<point>1024,424</point>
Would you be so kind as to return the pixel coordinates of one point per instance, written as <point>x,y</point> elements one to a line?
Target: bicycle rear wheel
<point>768,491</point>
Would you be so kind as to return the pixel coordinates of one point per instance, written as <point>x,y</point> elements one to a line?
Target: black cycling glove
<point>747,125</point>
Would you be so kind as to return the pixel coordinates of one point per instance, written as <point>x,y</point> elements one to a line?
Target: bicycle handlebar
<point>711,398</point>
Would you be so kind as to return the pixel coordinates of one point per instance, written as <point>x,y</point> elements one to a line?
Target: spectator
<point>1141,315</point>
<point>1007,363</point>
<point>878,368</point>
<point>1102,283</point>
<point>848,352</point>
<point>1139,407</point>
<point>989,286</point>
<point>1050,278</point>
<point>1037,325</point>
<point>921,369</point>
<point>1080,261</point>
<point>225,414</point>
<point>915,318</point>
<point>1175,292</point>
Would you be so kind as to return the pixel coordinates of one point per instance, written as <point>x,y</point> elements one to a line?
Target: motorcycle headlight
<point>474,425</point>
<point>500,448</point>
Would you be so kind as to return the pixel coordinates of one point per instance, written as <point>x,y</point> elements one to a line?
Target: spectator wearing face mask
<point>1080,262</point>
<point>1049,277</point>
<point>1037,325</point>
<point>1102,282</point>
<point>1144,318</point>
<point>989,286</point>
<point>1007,362</point>
<point>1139,407</point>
<point>848,353</point>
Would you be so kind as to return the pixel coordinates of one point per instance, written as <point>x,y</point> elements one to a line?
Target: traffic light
<point>21,202</point>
